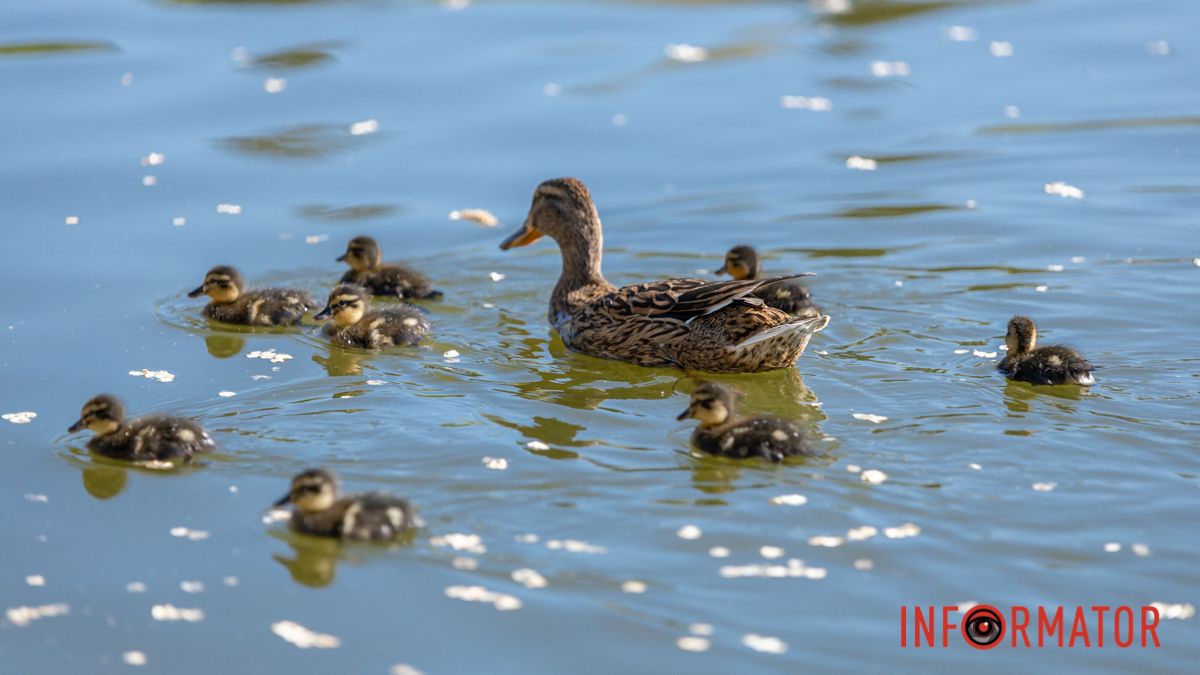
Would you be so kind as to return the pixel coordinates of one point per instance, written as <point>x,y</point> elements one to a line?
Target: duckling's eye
<point>356,251</point>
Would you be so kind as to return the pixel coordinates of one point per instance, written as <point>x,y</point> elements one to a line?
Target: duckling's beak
<point>724,269</point>
<point>342,257</point>
<point>199,291</point>
<point>522,237</point>
<point>323,314</point>
<point>685,414</point>
<point>78,426</point>
<point>283,500</point>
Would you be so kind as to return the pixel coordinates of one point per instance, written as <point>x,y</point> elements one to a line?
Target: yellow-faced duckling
<point>320,510</point>
<point>1053,364</point>
<point>683,323</point>
<point>356,325</point>
<point>741,262</point>
<point>154,437</point>
<point>368,270</point>
<point>232,303</point>
<point>723,432</point>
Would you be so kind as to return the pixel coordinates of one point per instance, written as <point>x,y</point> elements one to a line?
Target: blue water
<point>920,262</point>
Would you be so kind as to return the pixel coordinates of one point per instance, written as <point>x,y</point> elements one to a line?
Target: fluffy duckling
<point>741,262</point>
<point>355,325</point>
<point>320,510</point>
<point>154,437</point>
<point>1053,364</point>
<point>232,303</point>
<point>722,432</point>
<point>367,269</point>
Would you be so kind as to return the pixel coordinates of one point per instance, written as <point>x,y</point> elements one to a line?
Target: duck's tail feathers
<point>803,326</point>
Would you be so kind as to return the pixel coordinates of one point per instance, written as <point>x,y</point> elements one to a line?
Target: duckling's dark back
<point>398,326</point>
<point>768,438</point>
<point>789,296</point>
<point>1053,364</point>
<point>393,280</point>
<point>155,437</point>
<point>265,307</point>
<point>370,516</point>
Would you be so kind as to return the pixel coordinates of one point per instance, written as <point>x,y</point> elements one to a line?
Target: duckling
<point>368,270</point>
<point>722,432</point>
<point>155,437</point>
<point>232,303</point>
<point>1053,364</point>
<point>323,512</point>
<point>741,262</point>
<point>355,325</point>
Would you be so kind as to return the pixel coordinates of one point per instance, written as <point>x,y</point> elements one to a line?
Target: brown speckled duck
<point>321,511</point>
<point>722,432</point>
<point>356,325</point>
<point>231,302</point>
<point>154,437</point>
<point>741,262</point>
<point>1052,364</point>
<point>683,323</point>
<point>368,270</point>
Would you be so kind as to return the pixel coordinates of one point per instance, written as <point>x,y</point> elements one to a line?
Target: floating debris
<point>191,586</point>
<point>495,463</point>
<point>31,497</point>
<point>149,181</point>
<point>376,383</point>
<point>154,159</point>
<point>874,476</point>
<point>620,120</point>
<point>861,533</point>
<point>552,89</point>
<point>276,516</point>
<point>1012,112</point>
<point>633,586</point>
<point>480,216</point>
<point>501,601</point>
<point>179,221</point>
<point>529,578</point>
<point>763,643</point>
<point>689,532</point>
<point>1055,268</point>
<point>814,103</point>
<point>269,355</point>
<point>718,552</point>
<point>160,375</point>
<point>529,538</point>
<point>867,417</point>
<point>229,209</point>
<point>1063,190</point>
<point>890,69</point>
<point>471,543</point>
<point>302,637</point>
<point>1158,47</point>
<point>574,546</point>
<point>1000,49</point>
<point>700,629</point>
<point>853,468</point>
<point>35,580</point>
<point>960,33</point>
<point>864,564</point>
<point>135,587</point>
<point>789,500</point>
<point>23,616</point>
<point>450,354</point>
<point>794,568</point>
<point>316,238</point>
<point>861,163</point>
<point>72,220</point>
<point>977,467</point>
<point>826,541</point>
<point>984,355</point>
<point>1041,289</point>
<point>364,127</point>
<point>404,668</point>
<point>464,563</point>
<point>134,658</point>
<point>770,552</point>
<point>693,643</point>
<point>230,581</point>
<point>19,417</point>
<point>274,85</point>
<point>1044,487</point>
<point>170,612</point>
<point>126,79</point>
<point>1176,611</point>
<point>961,351</point>
<point>685,53</point>
<point>537,445</point>
<point>496,276</point>
<point>902,532</point>
<point>187,533</point>
<point>1140,550</point>
<point>226,394</point>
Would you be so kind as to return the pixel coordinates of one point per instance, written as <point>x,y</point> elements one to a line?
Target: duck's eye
<point>356,251</point>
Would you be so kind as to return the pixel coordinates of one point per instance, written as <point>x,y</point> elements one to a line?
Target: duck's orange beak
<point>522,237</point>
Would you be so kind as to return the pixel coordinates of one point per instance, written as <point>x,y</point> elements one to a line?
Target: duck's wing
<point>688,299</point>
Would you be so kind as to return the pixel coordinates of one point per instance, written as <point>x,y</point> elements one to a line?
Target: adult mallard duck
<point>722,432</point>
<point>323,512</point>
<point>741,262</point>
<point>154,437</point>
<point>367,269</point>
<point>684,323</point>
<point>1052,364</point>
<point>231,302</point>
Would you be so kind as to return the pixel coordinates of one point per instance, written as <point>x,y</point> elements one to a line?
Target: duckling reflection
<point>321,510</point>
<point>1053,364</point>
<point>723,432</point>
<point>314,560</point>
<point>340,361</point>
<point>154,437</point>
<point>741,262</point>
<point>368,270</point>
<point>104,482</point>
<point>1019,397</point>
<point>224,346</point>
<point>231,302</point>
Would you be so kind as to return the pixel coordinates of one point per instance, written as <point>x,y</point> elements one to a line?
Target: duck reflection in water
<point>224,346</point>
<point>314,560</point>
<point>102,481</point>
<point>1019,397</point>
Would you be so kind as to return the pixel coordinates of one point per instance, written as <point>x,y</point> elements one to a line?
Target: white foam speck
<point>718,552</point>
<point>496,276</point>
<point>1140,550</point>
<point>815,103</point>
<point>229,209</point>
<point>464,563</point>
<point>975,466</point>
<point>72,220</point>
<point>620,119</point>
<point>364,127</point>
<point>169,612</point>
<point>230,581</point>
<point>854,468</point>
<point>1041,289</point>
<point>149,181</point>
<point>552,89</point>
<point>126,79</point>
<point>179,221</point>
<point>1055,268</point>
<point>501,601</point>
<point>1044,487</point>
<point>826,541</point>
<point>275,85</point>
<point>901,532</point>
<point>960,33</point>
<point>789,500</point>
<point>874,476</point>
<point>864,564</point>
<point>685,53</point>
<point>861,163</point>
<point>269,355</point>
<point>191,586</point>
<point>574,546</point>
<point>1000,49</point>
<point>495,463</point>
<point>450,354</point>
<point>1063,190</point>
<point>529,578</point>
<point>23,616</point>
<point>471,543</point>
<point>770,552</point>
<point>481,216</point>
<point>861,533</point>
<point>227,394</point>
<point>537,445</point>
<point>1158,47</point>
<point>1174,611</point>
<point>528,538</point>
<point>890,69</point>
<point>689,532</point>
<point>633,586</point>
<point>24,417</point>
<point>984,355</point>
<point>867,417</point>
<point>159,375</point>
<point>302,637</point>
<point>693,643</point>
<point>134,658</point>
<point>763,643</point>
<point>404,668</point>
<point>701,629</point>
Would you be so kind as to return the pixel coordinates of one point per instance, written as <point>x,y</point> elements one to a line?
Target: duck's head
<point>102,415</point>
<point>1022,335</point>
<point>562,209</point>
<point>741,262</point>
<point>362,254</point>
<point>711,403</point>
<point>347,304</point>
<point>312,490</point>
<point>222,283</point>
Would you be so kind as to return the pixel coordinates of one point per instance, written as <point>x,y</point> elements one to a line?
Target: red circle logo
<point>983,627</point>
